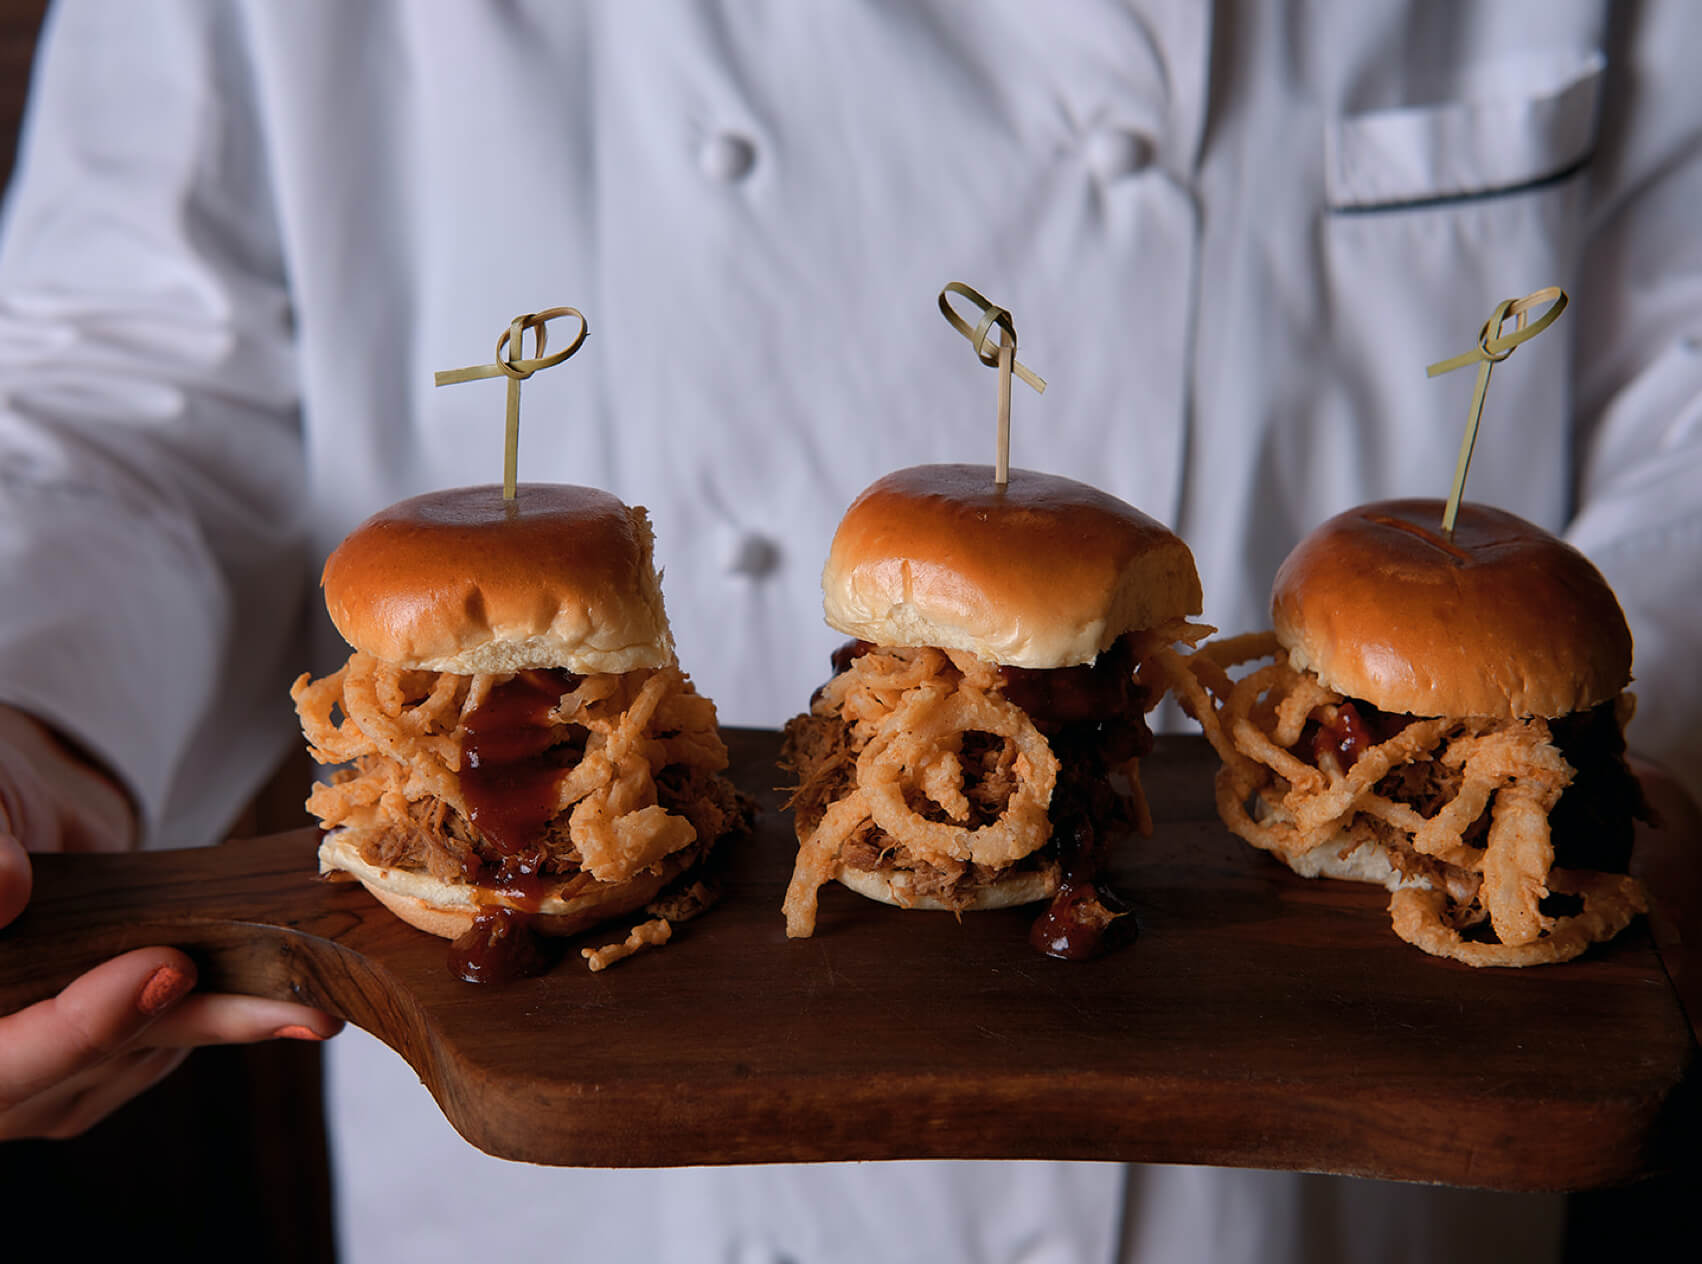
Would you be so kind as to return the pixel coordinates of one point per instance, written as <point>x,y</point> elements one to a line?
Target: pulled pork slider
<point>518,741</point>
<point>1444,717</point>
<point>979,743</point>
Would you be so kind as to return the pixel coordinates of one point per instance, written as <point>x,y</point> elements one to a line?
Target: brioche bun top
<point>1043,572</point>
<point>1502,620</point>
<point>463,581</point>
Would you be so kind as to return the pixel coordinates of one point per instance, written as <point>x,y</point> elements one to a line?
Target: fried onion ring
<point>402,731</point>
<point>1273,799</point>
<point>1611,901</point>
<point>818,855</point>
<point>920,726</point>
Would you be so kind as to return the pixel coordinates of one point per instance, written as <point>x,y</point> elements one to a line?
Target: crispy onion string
<point>918,729</point>
<point>1277,801</point>
<point>909,710</point>
<point>401,731</point>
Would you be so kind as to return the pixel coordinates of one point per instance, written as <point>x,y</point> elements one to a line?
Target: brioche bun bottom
<point>1367,862</point>
<point>896,887</point>
<point>1339,857</point>
<point>447,909</point>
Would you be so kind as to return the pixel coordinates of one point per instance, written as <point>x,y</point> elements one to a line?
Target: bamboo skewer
<point>1493,347</point>
<point>1002,357</point>
<point>517,370</point>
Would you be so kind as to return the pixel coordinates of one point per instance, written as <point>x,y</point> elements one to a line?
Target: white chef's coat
<point>1232,235</point>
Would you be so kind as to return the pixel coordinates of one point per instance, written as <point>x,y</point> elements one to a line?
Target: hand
<point>67,1062</point>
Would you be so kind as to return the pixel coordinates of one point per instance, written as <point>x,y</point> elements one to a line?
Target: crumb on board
<point>649,934</point>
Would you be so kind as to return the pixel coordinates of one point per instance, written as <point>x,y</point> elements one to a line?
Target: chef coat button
<point>1113,153</point>
<point>754,555</point>
<point>727,157</point>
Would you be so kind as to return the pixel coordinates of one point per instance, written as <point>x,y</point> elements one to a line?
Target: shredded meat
<point>1466,810</point>
<point>706,799</point>
<point>817,750</point>
<point>821,748</point>
<point>427,834</point>
<point>1427,786</point>
<point>629,763</point>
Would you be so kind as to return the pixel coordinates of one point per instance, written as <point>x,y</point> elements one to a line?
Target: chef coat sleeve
<point>151,470</point>
<point>1638,335</point>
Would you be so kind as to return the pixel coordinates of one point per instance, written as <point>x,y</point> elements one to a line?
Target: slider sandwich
<point>979,744</point>
<point>517,739</point>
<point>1443,716</point>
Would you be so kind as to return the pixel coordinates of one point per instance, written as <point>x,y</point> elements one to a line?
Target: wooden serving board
<point>1259,1020</point>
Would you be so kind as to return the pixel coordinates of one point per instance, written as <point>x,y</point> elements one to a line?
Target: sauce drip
<point>499,947</point>
<point>1089,694</point>
<point>517,883</point>
<point>1079,921</point>
<point>1093,715</point>
<point>847,654</point>
<point>511,761</point>
<point>841,658</point>
<point>1358,727</point>
<point>1075,924</point>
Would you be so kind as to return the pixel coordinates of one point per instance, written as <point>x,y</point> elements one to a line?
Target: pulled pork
<point>962,785</point>
<point>583,779</point>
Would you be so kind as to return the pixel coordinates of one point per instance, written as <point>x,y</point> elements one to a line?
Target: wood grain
<point>1260,1019</point>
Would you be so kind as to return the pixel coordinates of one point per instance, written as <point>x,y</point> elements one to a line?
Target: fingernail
<point>165,987</point>
<point>295,1031</point>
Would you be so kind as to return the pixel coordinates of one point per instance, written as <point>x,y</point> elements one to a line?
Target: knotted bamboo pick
<point>517,371</point>
<point>1493,347</point>
<point>1003,358</point>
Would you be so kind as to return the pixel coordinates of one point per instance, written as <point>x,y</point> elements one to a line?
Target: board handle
<point>253,914</point>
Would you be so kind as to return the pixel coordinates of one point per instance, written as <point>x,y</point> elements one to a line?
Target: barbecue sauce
<point>1591,827</point>
<point>847,654</point>
<point>501,946</point>
<point>1077,923</point>
<point>1358,727</point>
<point>1094,718</point>
<point>512,759</point>
<point>509,775</point>
<point>1089,694</point>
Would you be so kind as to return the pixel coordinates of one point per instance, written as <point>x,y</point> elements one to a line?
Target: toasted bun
<point>1341,857</point>
<point>1364,862</point>
<point>1503,620</point>
<point>1044,572</point>
<point>447,909</point>
<point>462,581</point>
<point>894,887</point>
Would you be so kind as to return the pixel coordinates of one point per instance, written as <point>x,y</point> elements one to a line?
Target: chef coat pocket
<point>1524,124</point>
<point>1437,211</point>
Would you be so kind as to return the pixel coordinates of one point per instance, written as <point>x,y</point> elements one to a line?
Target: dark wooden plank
<point>1259,1020</point>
